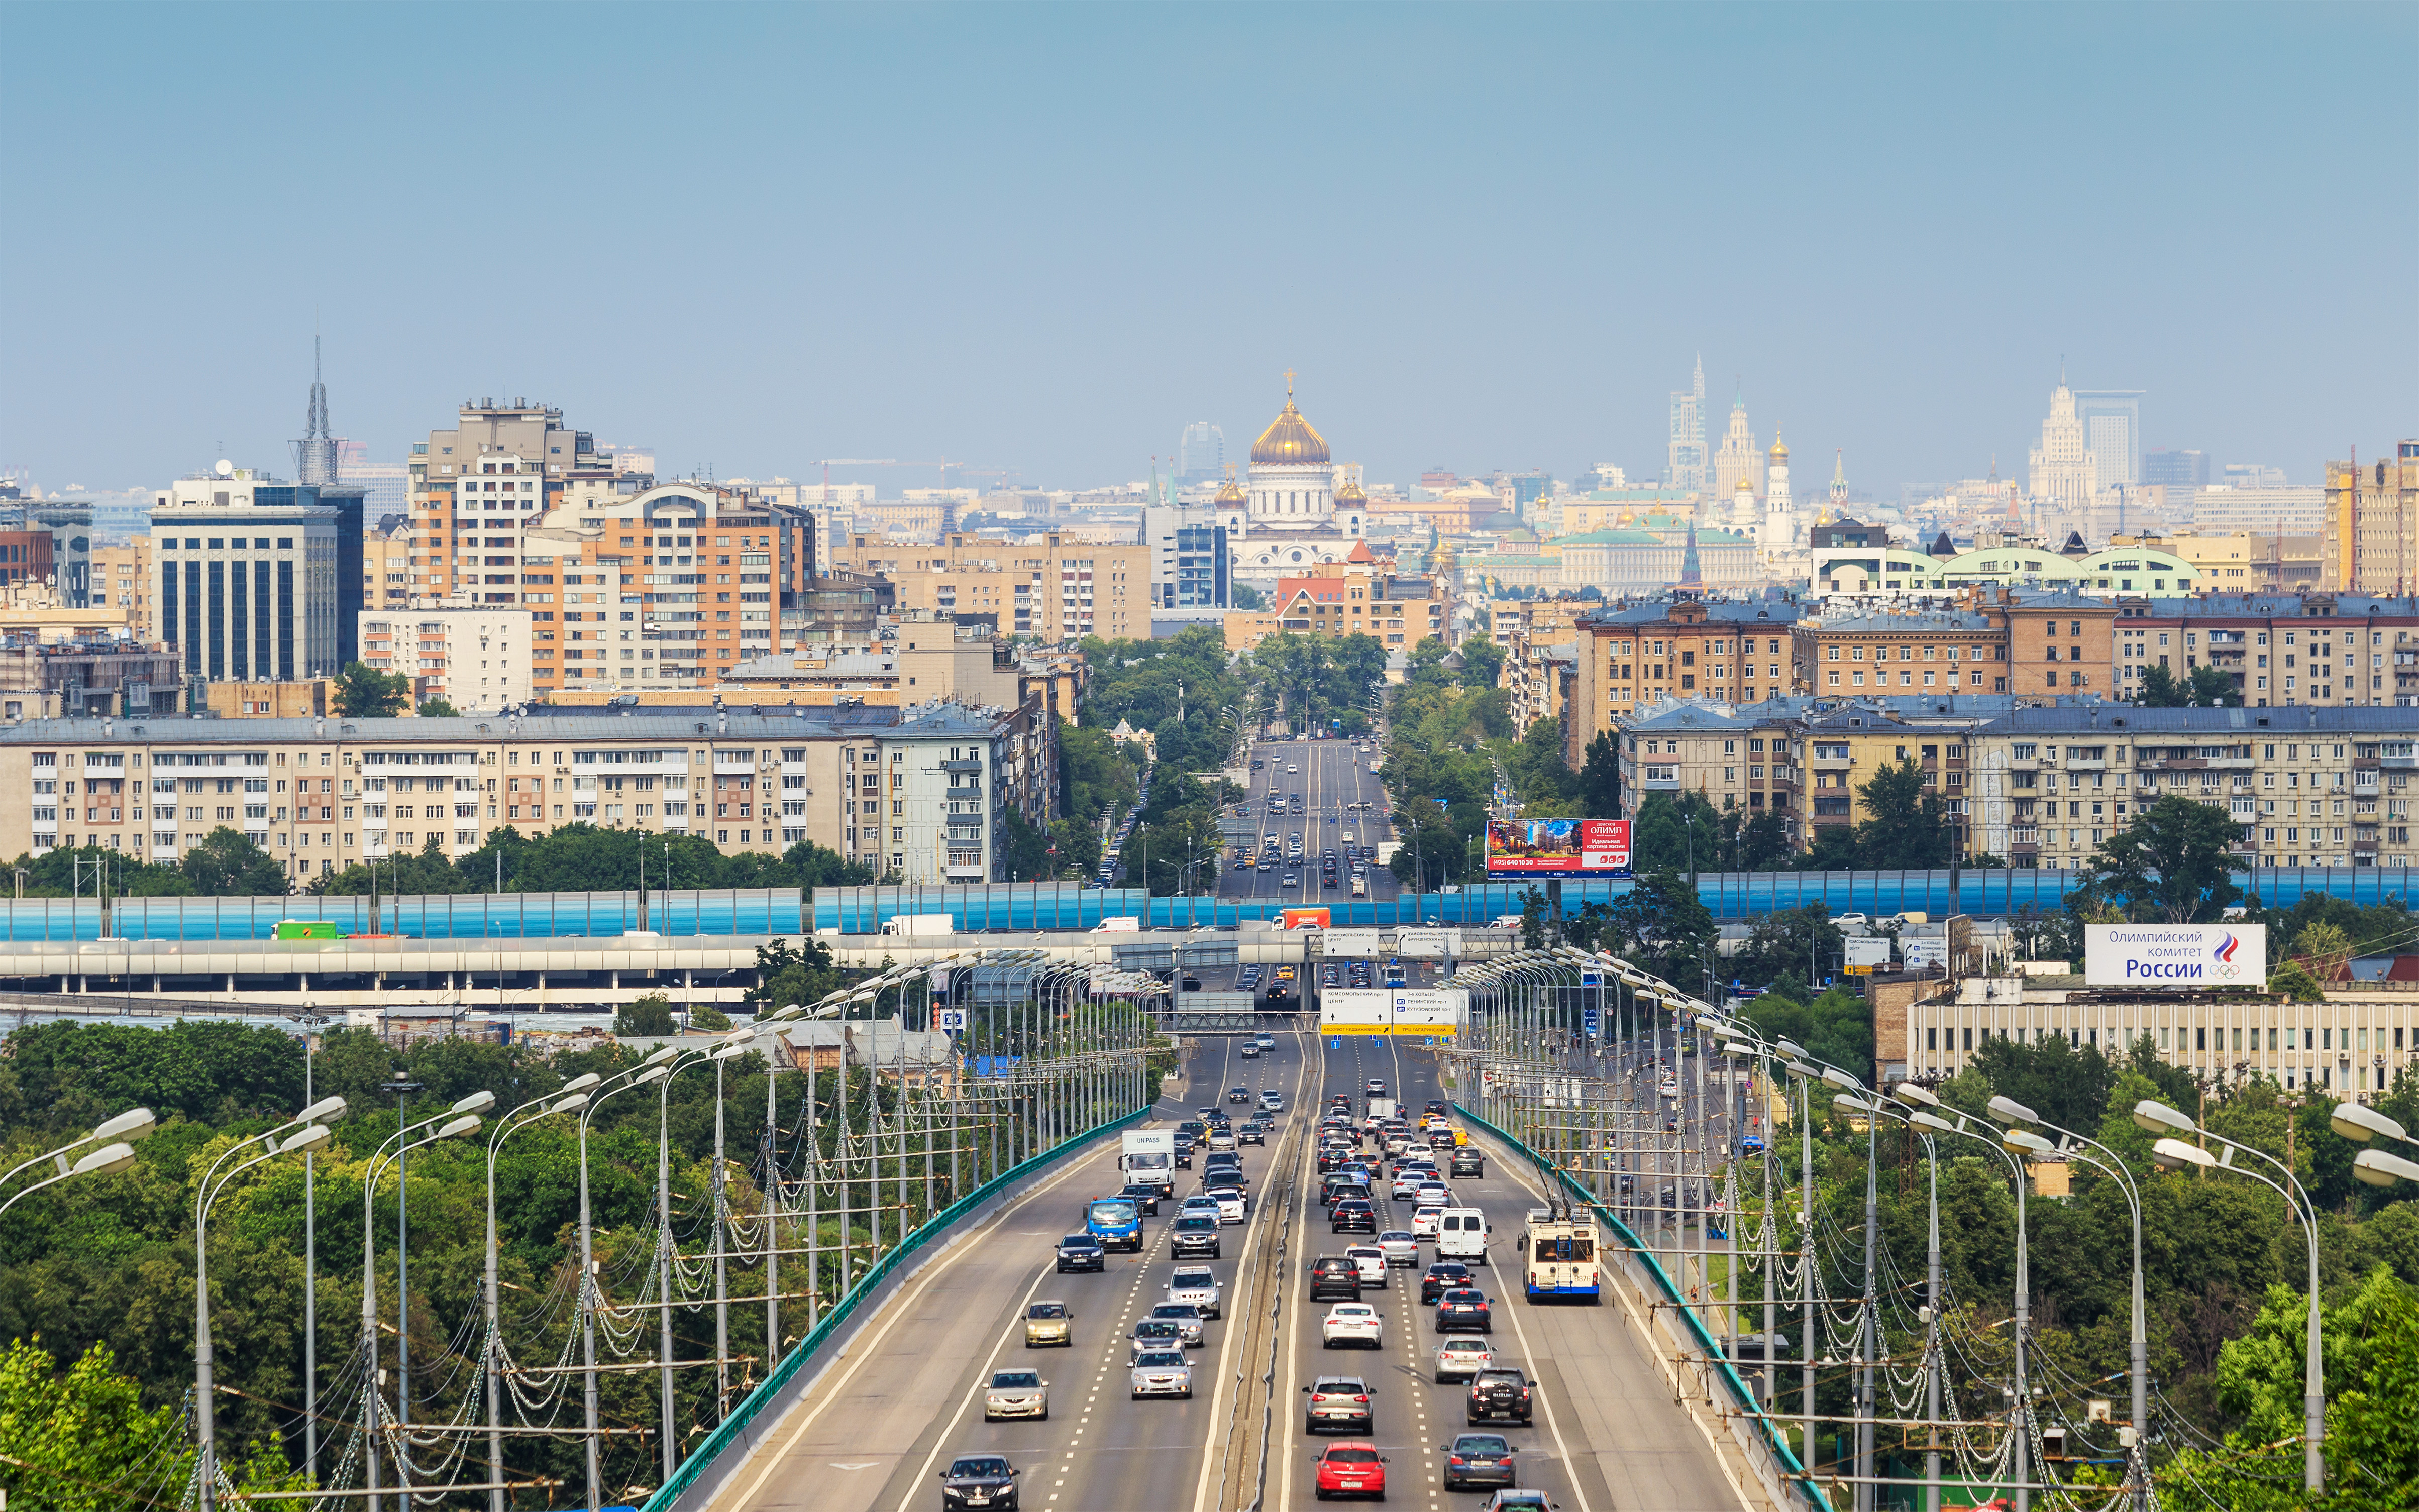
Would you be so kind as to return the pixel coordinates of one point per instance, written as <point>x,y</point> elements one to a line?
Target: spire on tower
<point>314,454</point>
<point>316,424</point>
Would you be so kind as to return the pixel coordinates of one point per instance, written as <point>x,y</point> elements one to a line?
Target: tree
<point>1662,925</point>
<point>2214,687</point>
<point>1482,663</point>
<point>786,976</point>
<point>363,692</point>
<point>1245,597</point>
<point>61,871</point>
<point>650,1017</point>
<point>2208,686</point>
<point>437,708</point>
<point>1023,847</point>
<point>709,1018</point>
<point>224,864</point>
<point>1906,824</point>
<point>2171,862</point>
<point>1794,945</point>
<point>2323,948</point>
<point>1599,789</point>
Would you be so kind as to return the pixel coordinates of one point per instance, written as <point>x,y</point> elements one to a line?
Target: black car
<point>1478,1459</point>
<point>1184,1152</point>
<point>1193,1238</point>
<point>1468,1162</point>
<point>1253,1132</point>
<point>1353,1215</point>
<point>1143,1196</point>
<point>1464,1308</point>
<point>1239,1094</point>
<point>1500,1396</point>
<point>1333,1278</point>
<point>1443,1276</point>
<point>1082,1252</point>
<point>979,1480</point>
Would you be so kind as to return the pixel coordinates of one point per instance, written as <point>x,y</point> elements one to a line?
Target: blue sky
<point>1044,238</point>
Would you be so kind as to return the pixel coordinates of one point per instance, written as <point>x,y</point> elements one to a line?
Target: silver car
<point>1197,1285</point>
<point>1016,1394</point>
<point>1401,1246</point>
<point>1462,1357</point>
<point>1162,1373</point>
<point>1185,1316</point>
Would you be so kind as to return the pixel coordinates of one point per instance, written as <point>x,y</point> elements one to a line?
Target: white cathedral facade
<point>1289,514</point>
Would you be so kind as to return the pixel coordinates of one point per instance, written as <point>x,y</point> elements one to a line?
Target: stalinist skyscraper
<point>2062,471</point>
<point>1738,457</point>
<point>1687,464</point>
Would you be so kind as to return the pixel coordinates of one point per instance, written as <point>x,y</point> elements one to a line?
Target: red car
<point>1353,1468</point>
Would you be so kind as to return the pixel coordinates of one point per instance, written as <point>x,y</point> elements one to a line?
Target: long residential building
<point>1056,587</point>
<point>917,793</point>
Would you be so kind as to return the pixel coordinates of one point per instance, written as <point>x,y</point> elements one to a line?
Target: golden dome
<point>1745,487</point>
<point>1232,492</point>
<point>1351,494</point>
<point>1780,452</point>
<point>1289,442</point>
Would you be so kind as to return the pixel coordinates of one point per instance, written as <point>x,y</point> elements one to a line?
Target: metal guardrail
<point>1742,1403</point>
<point>726,1433</point>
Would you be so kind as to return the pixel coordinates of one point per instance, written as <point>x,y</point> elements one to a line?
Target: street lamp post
<point>654,1068</point>
<point>570,1099</point>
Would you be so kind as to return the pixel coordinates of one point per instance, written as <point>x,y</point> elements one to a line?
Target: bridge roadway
<point>1331,774</point>
<point>876,1431</point>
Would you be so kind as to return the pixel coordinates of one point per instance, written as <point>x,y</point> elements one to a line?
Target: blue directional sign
<point>1593,1021</point>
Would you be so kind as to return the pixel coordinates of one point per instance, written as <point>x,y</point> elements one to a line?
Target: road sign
<point>950,1020</point>
<point>1592,1021</point>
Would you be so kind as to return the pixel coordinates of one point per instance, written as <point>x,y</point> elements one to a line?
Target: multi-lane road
<point>1330,777</point>
<point>874,1433</point>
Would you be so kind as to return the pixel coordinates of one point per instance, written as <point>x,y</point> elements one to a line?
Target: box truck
<point>1150,1156</point>
<point>919,924</point>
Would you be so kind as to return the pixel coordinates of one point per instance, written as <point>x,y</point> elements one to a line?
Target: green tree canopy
<point>226,864</point>
<point>363,692</point>
<point>2170,863</point>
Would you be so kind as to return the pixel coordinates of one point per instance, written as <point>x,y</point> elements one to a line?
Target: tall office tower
<point>248,584</point>
<point>2165,469</point>
<point>2112,427</point>
<point>476,489</point>
<point>1201,455</point>
<point>2061,471</point>
<point>314,454</point>
<point>1687,464</point>
<point>1739,457</point>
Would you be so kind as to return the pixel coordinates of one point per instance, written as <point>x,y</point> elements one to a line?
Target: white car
<point>1016,1394</point>
<point>1423,1220</point>
<point>1351,1322</point>
<point>1230,1204</point>
<point>1292,768</point>
<point>1198,1286</point>
<point>1460,1358</point>
<point>1371,1261</point>
<point>1401,1246</point>
<point>1406,1184</point>
<point>1162,1373</point>
<point>1433,1192</point>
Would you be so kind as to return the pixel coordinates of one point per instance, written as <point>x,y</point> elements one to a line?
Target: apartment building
<point>1737,757</point>
<point>322,794</point>
<point>1846,744</point>
<point>386,567</point>
<point>1852,653</point>
<point>2286,650</point>
<point>1055,588</point>
<point>90,675</point>
<point>475,659</point>
<point>1540,639</point>
<point>2370,539</point>
<point>249,577</point>
<point>477,490</point>
<point>121,578</point>
<point>1623,658</point>
<point>1357,596</point>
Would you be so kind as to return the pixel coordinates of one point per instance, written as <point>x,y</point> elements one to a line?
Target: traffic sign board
<point>950,1020</point>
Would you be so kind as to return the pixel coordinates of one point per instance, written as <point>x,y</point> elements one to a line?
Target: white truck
<point>1121,924</point>
<point>1150,1156</point>
<point>919,924</point>
<point>1382,1108</point>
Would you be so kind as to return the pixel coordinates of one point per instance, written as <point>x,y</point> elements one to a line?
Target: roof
<point>876,1041</point>
<point>2283,606</point>
<point>2134,720</point>
<point>1717,610</point>
<point>1690,715</point>
<point>2058,599</point>
<point>1914,624</point>
<point>545,723</point>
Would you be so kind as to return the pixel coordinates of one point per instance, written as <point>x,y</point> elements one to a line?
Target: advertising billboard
<point>1302,919</point>
<point>2175,955</point>
<point>1865,951</point>
<point>1558,847</point>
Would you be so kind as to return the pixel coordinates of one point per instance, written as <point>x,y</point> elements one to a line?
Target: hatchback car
<point>1375,1087</point>
<point>1372,1261</point>
<point>1351,1469</point>
<point>986,1481</point>
<point>1161,1373</point>
<point>1016,1394</point>
<point>1462,1357</point>
<point>1082,1252</point>
<point>1433,1194</point>
<point>1222,1137</point>
<point>1334,1277</point>
<point>1443,1276</point>
<point>1047,1323</point>
<point>1336,1402</point>
<point>1351,1322</point>
<point>1475,1459</point>
<point>1195,1236</point>
<point>1187,1318</point>
<point>1400,1246</point>
<point>1464,1308</point>
<point>1424,1221</point>
<point>1468,1161</point>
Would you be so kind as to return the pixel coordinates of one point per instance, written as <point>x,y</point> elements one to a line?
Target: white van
<point>1462,1235</point>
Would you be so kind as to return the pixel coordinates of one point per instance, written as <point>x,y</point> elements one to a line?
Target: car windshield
<point>1159,1359</point>
<point>1479,1345</point>
<point>1047,1309</point>
<point>1081,1240</point>
<point>1195,1224</point>
<point>1481,1444</point>
<point>987,1468</point>
<point>1196,1278</point>
<point>1176,1309</point>
<point>1351,1456</point>
<point>1017,1378</point>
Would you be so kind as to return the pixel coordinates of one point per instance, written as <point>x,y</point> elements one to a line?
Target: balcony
<point>965,794</point>
<point>973,764</point>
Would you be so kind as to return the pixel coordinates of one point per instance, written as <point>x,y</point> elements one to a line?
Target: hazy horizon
<point>1046,238</point>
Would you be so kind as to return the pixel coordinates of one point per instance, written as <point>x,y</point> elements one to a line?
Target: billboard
<point>1558,847</point>
<point>1356,1010</point>
<point>1865,951</point>
<point>1357,943</point>
<point>1443,944</point>
<point>2175,955</point>
<point>1923,955</point>
<point>1304,919</point>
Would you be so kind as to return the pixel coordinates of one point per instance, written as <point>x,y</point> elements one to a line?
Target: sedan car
<point>1333,1276</point>
<point>1400,1246</point>
<point>1159,1333</point>
<point>1230,1202</point>
<point>1406,1184</point>
<point>1474,1459</point>
<point>1016,1394</point>
<point>1351,1322</point>
<point>1443,1276</point>
<point>1351,1469</point>
<point>1372,1261</point>
<point>979,1480</point>
<point>1375,1087</point>
<point>1462,1357</point>
<point>1195,1236</point>
<point>1048,1323</point>
<point>1352,1215</point>
<point>1253,1132</point>
<point>1082,1252</point>
<point>1239,1094</point>
<point>1464,1308</point>
<point>1222,1137</point>
<point>1161,1373</point>
<point>1519,1500</point>
<point>1143,1196</point>
<point>1426,1220</point>
<point>1197,1285</point>
<point>1185,1316</point>
<point>1433,1194</point>
<point>1336,1402</point>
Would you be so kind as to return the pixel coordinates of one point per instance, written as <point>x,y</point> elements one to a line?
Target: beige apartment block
<point>121,578</point>
<point>477,659</point>
<point>386,568</point>
<point>1054,587</point>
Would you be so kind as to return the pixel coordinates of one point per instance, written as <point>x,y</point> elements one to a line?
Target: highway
<point>1329,776</point>
<point>874,1434</point>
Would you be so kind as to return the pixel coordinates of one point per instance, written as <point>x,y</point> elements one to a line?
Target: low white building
<point>477,659</point>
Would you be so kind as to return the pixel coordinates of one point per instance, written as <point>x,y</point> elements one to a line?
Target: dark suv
<point>1443,1276</point>
<point>1335,1278</point>
<point>1193,1238</point>
<point>1500,1395</point>
<point>1468,1161</point>
<point>1082,1252</point>
<point>1353,1215</point>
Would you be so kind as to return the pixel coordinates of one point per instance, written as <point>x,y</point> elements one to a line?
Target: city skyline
<point>1422,334</point>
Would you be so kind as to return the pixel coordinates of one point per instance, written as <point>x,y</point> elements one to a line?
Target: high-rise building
<point>247,581</point>
<point>386,485</point>
<point>1189,559</point>
<point>2372,524</point>
<point>69,523</point>
<point>1686,466</point>
<point>1201,455</point>
<point>121,578</point>
<point>2252,475</point>
<point>2062,469</point>
<point>2166,469</point>
<point>2112,428</point>
<point>1739,457</point>
<point>476,489</point>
